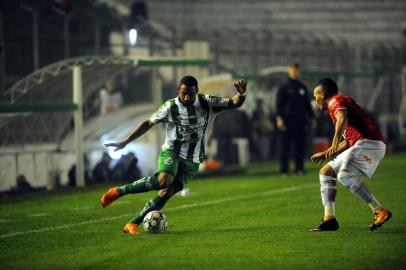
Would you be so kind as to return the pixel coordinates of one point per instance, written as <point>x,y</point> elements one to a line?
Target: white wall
<point>36,161</point>
<point>35,165</point>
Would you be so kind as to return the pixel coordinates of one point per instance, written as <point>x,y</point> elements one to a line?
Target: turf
<point>254,221</point>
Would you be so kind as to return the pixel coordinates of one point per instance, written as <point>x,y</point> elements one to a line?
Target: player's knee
<point>327,170</point>
<point>172,190</point>
<point>165,179</point>
<point>349,179</point>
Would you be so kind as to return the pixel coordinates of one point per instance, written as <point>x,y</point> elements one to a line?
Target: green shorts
<point>183,169</point>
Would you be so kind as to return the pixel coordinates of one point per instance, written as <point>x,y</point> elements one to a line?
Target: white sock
<point>374,203</point>
<point>328,193</point>
<point>330,209</point>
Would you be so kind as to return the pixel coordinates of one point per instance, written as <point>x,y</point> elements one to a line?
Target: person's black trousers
<point>297,138</point>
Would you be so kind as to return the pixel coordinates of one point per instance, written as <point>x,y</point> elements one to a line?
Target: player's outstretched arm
<point>135,134</point>
<point>238,100</point>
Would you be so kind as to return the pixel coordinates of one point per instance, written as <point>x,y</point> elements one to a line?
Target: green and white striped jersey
<point>187,125</point>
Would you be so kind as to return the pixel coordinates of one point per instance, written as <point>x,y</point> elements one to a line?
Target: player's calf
<point>328,190</point>
<point>350,180</point>
<point>158,202</point>
<point>163,180</point>
<point>144,184</point>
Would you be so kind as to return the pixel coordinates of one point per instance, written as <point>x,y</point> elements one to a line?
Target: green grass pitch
<point>254,221</point>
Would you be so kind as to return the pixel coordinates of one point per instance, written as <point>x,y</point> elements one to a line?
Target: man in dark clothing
<point>102,172</point>
<point>293,110</point>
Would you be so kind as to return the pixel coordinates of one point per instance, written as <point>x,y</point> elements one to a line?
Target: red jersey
<point>360,125</point>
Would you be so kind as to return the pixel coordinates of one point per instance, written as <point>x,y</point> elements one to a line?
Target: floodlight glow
<point>115,155</point>
<point>132,35</point>
<point>105,138</point>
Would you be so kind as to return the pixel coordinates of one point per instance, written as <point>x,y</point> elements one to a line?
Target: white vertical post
<point>78,125</point>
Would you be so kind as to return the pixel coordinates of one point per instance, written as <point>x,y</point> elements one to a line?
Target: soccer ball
<point>155,222</point>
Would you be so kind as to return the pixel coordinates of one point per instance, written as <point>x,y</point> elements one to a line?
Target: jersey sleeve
<point>217,104</point>
<point>335,105</point>
<point>161,115</point>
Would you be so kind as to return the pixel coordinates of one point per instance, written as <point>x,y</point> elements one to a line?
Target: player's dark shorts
<point>183,169</point>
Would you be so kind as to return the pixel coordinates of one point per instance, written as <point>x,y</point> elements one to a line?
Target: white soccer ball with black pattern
<point>155,222</point>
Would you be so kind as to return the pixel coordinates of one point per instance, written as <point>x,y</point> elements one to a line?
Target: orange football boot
<point>131,228</point>
<point>381,216</point>
<point>110,196</point>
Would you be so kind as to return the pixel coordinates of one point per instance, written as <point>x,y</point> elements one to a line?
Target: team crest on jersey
<point>203,114</point>
<point>368,159</point>
<point>168,161</point>
<point>331,102</point>
<point>302,92</point>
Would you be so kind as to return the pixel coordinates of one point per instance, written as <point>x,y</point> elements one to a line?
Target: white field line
<point>38,215</point>
<point>5,220</point>
<point>228,199</point>
<point>82,208</point>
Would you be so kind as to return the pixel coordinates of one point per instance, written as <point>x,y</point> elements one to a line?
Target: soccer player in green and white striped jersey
<point>188,118</point>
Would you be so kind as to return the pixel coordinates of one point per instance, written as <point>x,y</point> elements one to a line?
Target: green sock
<point>154,204</point>
<point>142,185</point>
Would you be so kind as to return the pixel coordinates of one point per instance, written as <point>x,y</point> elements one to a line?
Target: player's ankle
<point>378,209</point>
<point>327,218</point>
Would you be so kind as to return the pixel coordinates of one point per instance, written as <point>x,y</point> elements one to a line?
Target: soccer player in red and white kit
<point>357,148</point>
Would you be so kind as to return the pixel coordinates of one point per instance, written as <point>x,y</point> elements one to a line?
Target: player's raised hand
<point>117,145</point>
<point>318,158</point>
<point>241,86</point>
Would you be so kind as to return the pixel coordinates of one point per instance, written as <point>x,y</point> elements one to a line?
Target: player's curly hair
<point>329,86</point>
<point>189,81</point>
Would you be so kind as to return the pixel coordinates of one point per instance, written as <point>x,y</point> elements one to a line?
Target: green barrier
<point>37,108</point>
<point>318,73</point>
<point>336,73</point>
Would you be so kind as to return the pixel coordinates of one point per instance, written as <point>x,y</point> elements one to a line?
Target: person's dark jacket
<point>293,103</point>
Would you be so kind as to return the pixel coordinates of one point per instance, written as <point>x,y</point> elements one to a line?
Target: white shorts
<point>363,157</point>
